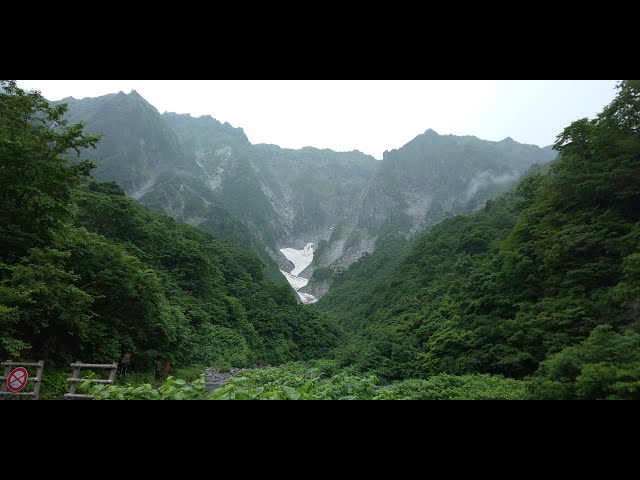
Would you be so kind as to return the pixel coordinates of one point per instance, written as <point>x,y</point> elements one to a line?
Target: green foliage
<point>35,183</point>
<point>295,381</point>
<point>399,298</point>
<point>228,348</point>
<point>54,384</point>
<point>50,314</point>
<point>133,378</point>
<point>326,367</point>
<point>172,389</point>
<point>450,387</point>
<point>322,273</point>
<point>110,188</point>
<point>190,373</point>
<point>305,382</point>
<point>310,381</point>
<point>355,291</point>
<point>604,366</point>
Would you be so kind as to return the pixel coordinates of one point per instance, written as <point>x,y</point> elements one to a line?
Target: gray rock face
<point>215,379</point>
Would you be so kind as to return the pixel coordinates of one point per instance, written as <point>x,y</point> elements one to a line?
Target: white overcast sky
<point>371,115</point>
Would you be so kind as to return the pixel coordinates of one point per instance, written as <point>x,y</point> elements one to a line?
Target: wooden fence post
<point>74,375</point>
<point>75,379</point>
<point>38,380</point>
<point>112,374</point>
<point>7,370</point>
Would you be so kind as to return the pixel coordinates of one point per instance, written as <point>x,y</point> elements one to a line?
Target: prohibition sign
<point>17,379</point>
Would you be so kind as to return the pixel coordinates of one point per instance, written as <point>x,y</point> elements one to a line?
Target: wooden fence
<point>75,379</point>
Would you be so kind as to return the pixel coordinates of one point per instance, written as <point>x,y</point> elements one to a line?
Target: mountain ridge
<point>344,203</point>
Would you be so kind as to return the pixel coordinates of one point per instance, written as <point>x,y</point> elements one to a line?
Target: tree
<point>605,366</point>
<point>35,181</point>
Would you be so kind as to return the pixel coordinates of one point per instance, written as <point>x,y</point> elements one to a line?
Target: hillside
<point>541,282</point>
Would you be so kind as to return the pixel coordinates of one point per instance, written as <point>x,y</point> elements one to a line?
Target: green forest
<point>535,295</point>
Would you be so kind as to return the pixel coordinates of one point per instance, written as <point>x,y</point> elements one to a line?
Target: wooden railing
<point>75,379</point>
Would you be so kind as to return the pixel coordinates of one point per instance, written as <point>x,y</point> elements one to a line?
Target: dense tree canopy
<point>35,183</point>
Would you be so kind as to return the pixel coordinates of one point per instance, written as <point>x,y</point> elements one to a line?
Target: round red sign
<point>17,379</point>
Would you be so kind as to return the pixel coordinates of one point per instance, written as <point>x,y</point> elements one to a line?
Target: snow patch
<point>301,259</point>
<point>307,298</point>
<point>296,282</point>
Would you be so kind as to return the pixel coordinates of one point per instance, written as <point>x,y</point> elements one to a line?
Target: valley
<point>268,198</point>
<point>450,268</point>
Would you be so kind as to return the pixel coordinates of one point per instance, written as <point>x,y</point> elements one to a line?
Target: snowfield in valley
<point>301,259</point>
<point>295,281</point>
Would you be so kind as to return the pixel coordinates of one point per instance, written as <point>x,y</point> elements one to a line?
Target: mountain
<point>267,198</point>
<point>143,154</point>
<point>437,176</point>
<point>287,197</point>
<point>137,148</point>
<point>346,202</point>
<point>431,178</point>
<point>221,156</point>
